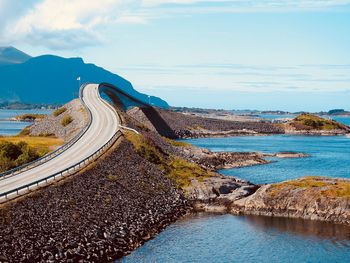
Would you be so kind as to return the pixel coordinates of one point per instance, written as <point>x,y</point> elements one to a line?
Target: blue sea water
<point>8,127</point>
<point>342,119</point>
<point>330,156</point>
<point>228,238</point>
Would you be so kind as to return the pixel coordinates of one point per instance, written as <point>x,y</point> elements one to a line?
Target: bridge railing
<point>51,155</point>
<point>66,172</point>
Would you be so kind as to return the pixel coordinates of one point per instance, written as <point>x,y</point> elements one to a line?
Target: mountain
<point>11,55</point>
<point>51,79</point>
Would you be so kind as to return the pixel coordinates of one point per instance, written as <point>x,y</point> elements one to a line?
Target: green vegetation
<point>59,111</point>
<point>179,170</point>
<point>41,145</point>
<point>320,186</point>
<point>30,117</point>
<point>145,148</point>
<point>313,122</point>
<point>66,120</point>
<point>182,172</point>
<point>177,143</point>
<point>15,154</point>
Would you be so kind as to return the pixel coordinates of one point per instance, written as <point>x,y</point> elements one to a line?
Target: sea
<point>9,127</point>
<point>228,238</point>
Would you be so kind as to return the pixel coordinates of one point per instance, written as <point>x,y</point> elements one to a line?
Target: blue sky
<point>288,55</point>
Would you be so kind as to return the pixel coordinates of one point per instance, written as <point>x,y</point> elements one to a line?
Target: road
<point>105,123</point>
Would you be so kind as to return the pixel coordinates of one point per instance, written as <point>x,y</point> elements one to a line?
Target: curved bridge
<point>101,133</point>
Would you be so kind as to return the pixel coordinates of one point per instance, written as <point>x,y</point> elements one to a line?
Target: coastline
<point>171,177</point>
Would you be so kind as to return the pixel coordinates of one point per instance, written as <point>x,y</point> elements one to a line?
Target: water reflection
<point>228,238</point>
<point>305,228</point>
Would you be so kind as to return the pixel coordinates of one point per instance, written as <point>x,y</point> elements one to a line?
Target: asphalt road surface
<point>105,123</point>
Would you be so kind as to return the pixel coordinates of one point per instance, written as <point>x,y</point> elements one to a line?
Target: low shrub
<point>15,154</point>
<point>66,120</point>
<point>177,143</point>
<point>30,117</point>
<point>59,111</point>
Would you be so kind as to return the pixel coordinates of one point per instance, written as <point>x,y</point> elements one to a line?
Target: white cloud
<point>64,24</point>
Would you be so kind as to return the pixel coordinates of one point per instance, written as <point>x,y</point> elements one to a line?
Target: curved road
<point>105,123</point>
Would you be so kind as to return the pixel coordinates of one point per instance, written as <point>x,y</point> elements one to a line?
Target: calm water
<point>330,156</point>
<point>12,127</point>
<point>228,238</point>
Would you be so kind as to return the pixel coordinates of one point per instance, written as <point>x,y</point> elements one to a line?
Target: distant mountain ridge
<point>11,55</point>
<point>51,79</point>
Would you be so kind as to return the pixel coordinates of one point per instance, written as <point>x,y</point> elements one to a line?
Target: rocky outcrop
<point>315,198</point>
<point>51,125</point>
<point>215,194</point>
<point>309,124</point>
<point>227,160</point>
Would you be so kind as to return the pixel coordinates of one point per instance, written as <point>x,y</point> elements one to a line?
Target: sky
<point>254,54</point>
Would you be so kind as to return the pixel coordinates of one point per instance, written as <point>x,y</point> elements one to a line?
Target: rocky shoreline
<point>314,198</point>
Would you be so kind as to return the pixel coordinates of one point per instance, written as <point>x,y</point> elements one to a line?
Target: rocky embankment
<point>188,126</point>
<point>98,215</point>
<point>52,125</point>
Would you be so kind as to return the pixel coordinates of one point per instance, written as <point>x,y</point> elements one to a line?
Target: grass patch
<point>179,170</point>
<point>66,120</point>
<point>313,122</point>
<point>326,187</point>
<point>30,117</point>
<point>177,143</point>
<point>182,172</point>
<point>41,145</point>
<point>145,147</point>
<point>59,111</point>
